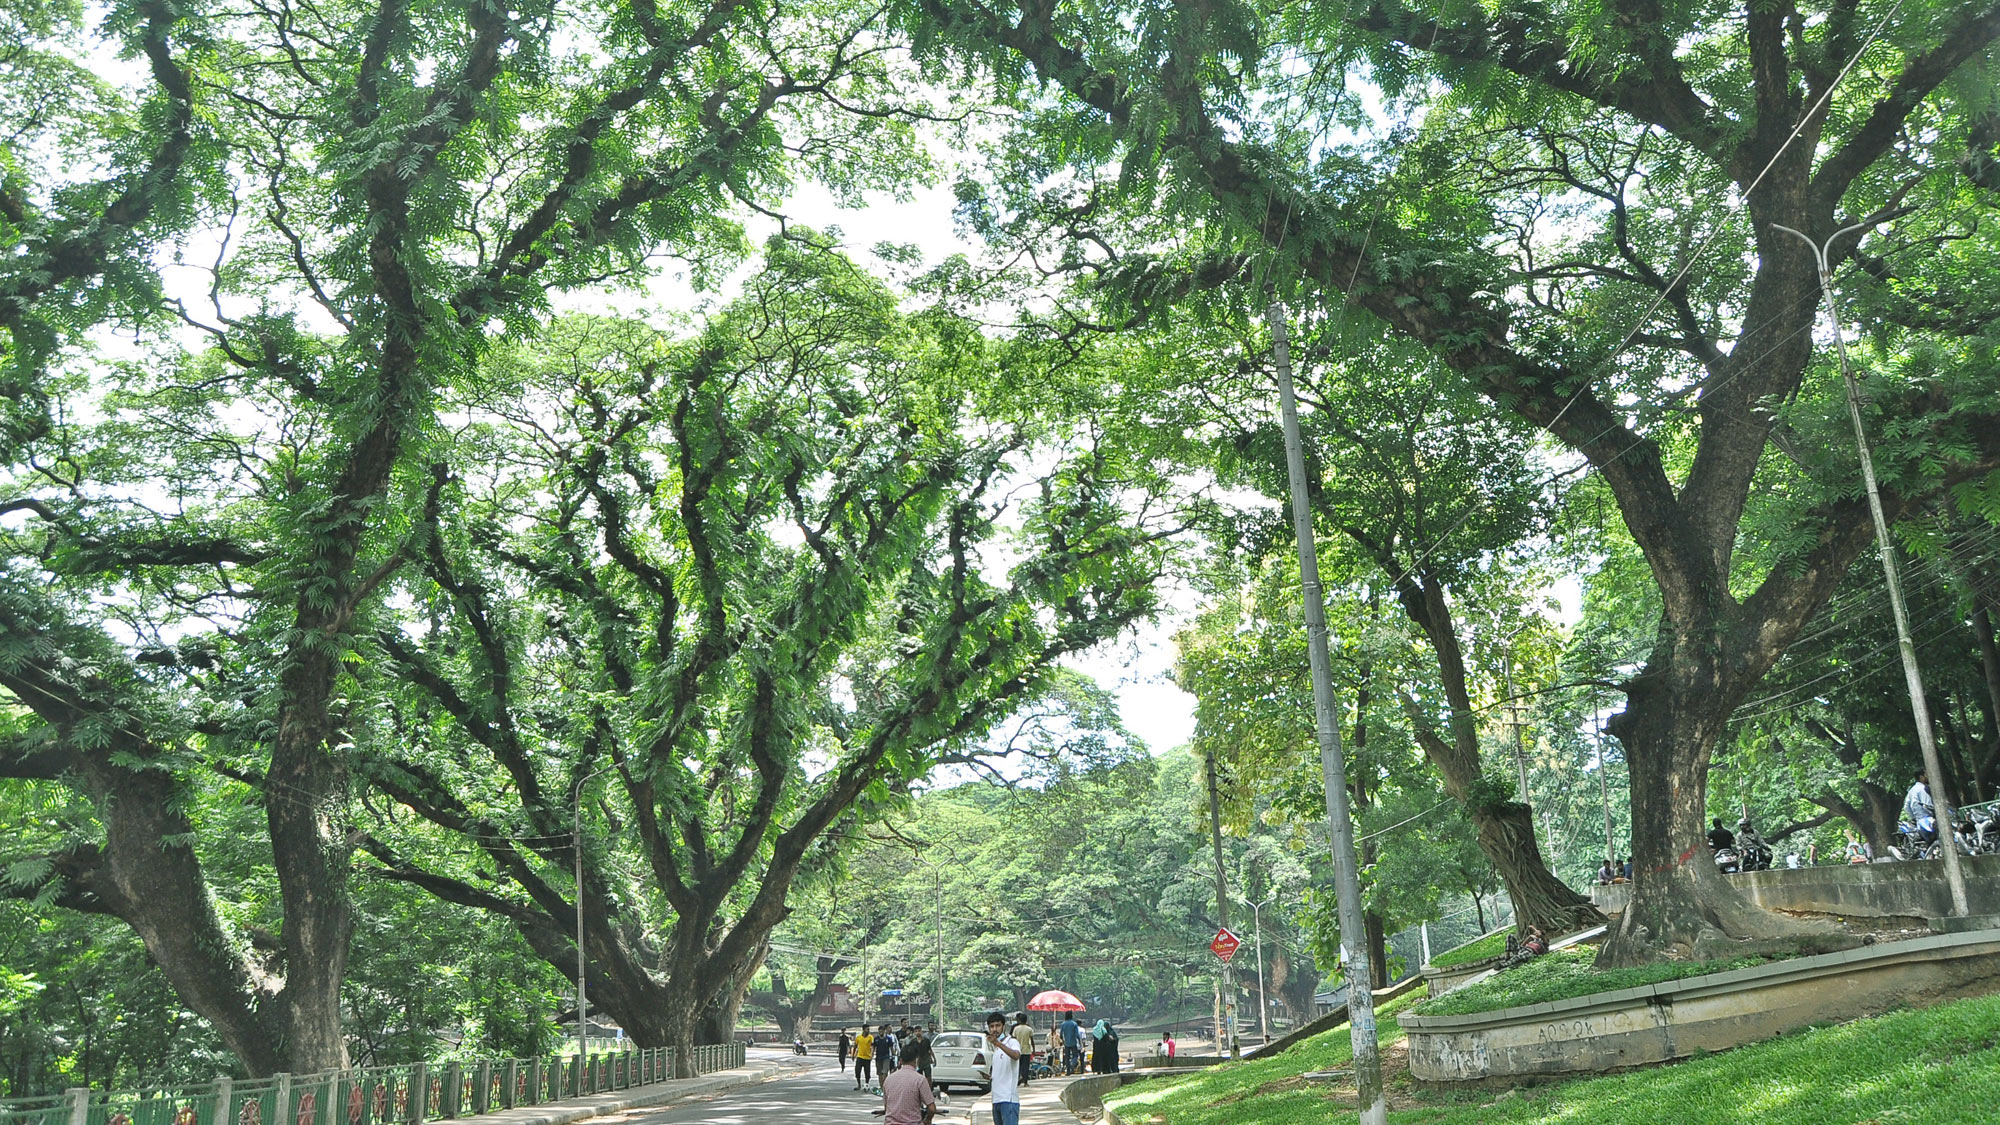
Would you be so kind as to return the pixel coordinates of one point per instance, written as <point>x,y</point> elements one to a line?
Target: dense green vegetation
<point>1933,1064</point>
<point>449,489</point>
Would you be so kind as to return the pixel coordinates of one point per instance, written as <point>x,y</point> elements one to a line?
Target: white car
<point>961,1061</point>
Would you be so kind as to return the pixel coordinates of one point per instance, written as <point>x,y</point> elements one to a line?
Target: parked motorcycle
<point>1916,841</point>
<point>1979,830</point>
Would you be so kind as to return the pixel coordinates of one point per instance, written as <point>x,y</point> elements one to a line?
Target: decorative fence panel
<point>378,1095</point>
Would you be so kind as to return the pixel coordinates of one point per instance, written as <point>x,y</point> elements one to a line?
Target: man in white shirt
<point>1005,1052</point>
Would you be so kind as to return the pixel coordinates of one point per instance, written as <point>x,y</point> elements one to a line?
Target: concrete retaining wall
<point>1866,890</point>
<point>1654,1023</point>
<point>1085,1097</point>
<point>1440,981</point>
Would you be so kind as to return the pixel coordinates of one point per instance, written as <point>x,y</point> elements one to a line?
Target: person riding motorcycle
<point>1756,854</point>
<point>1920,811</point>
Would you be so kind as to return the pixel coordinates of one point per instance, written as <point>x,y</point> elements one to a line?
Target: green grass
<point>1564,974</point>
<point>1193,1100</point>
<point>1492,945</point>
<point>1915,1067</point>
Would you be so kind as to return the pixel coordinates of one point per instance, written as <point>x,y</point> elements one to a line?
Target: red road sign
<point>1225,944</point>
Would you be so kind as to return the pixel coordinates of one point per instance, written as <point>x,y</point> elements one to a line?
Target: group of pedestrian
<point>907,1097</point>
<point>1101,1042</point>
<point>877,1052</point>
<point>899,1061</point>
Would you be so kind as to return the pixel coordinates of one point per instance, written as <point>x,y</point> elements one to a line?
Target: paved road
<point>818,1094</point>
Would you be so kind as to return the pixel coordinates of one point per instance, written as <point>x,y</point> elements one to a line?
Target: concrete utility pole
<point>1333,768</point>
<point>1603,786</point>
<point>1226,1034</point>
<point>1891,571</point>
<point>1263,1004</point>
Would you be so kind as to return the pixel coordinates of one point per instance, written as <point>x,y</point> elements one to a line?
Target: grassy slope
<point>1938,1064</point>
<point>1564,974</point>
<point>1492,945</point>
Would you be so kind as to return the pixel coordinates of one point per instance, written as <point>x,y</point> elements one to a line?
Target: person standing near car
<point>926,1057</point>
<point>907,1098</point>
<point>1005,1052</point>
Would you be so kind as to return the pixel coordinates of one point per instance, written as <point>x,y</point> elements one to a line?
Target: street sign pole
<point>1226,1034</point>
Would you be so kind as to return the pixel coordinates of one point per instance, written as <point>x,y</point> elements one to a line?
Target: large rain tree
<point>311,219</point>
<point>1577,217</point>
<point>764,578</point>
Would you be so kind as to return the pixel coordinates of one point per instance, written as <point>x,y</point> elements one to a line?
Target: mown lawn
<point>1915,1067</point>
<point>1565,974</point>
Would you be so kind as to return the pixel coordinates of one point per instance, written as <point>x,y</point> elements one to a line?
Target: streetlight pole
<point>1263,1004</point>
<point>576,850</point>
<point>1913,677</point>
<point>937,874</point>
<point>1226,1034</point>
<point>1332,761</point>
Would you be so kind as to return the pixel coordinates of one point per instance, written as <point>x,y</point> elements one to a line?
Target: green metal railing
<point>379,1095</point>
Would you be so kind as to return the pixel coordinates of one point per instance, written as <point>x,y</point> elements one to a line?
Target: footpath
<point>659,1095</point>
<point>1041,1104</point>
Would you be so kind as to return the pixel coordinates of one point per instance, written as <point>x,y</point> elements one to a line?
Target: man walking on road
<point>1005,1051</point>
<point>1071,1034</point>
<point>906,1094</point>
<point>1024,1034</point>
<point>864,1048</point>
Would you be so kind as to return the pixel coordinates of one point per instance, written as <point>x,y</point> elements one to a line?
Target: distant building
<point>839,1004</point>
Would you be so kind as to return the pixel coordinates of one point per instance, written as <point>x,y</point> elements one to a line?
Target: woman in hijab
<point>1103,1049</point>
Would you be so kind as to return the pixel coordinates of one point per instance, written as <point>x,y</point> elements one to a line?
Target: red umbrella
<point>1055,1000</point>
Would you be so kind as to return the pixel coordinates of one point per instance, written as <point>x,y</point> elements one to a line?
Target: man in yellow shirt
<point>1025,1034</point>
<point>864,1050</point>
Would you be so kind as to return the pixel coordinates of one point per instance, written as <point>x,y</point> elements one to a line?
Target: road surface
<point>818,1094</point>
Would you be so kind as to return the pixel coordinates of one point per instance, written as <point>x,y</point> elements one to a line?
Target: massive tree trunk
<point>795,1009</point>
<point>1682,906</point>
<point>157,887</point>
<point>146,874</point>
